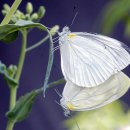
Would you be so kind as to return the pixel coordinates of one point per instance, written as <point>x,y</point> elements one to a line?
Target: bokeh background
<point>46,114</point>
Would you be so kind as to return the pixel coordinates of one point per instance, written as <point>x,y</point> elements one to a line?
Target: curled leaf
<point>10,30</point>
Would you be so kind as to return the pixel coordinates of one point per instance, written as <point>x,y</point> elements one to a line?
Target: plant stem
<point>13,89</point>
<point>10,125</point>
<point>22,55</point>
<point>13,95</point>
<point>11,12</point>
<point>52,84</point>
<point>37,44</point>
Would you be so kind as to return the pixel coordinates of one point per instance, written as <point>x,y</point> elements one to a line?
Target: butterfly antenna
<point>74,18</point>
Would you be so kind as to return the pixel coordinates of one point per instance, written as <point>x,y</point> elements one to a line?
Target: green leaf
<point>10,37</point>
<point>7,77</point>
<point>11,29</point>
<point>23,107</point>
<point>114,12</point>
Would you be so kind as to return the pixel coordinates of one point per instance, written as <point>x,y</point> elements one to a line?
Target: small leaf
<point>10,80</point>
<point>7,77</point>
<point>22,107</point>
<point>8,29</point>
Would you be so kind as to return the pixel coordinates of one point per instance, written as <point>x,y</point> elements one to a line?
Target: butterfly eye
<point>66,29</point>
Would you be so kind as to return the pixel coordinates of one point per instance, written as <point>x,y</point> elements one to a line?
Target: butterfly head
<point>63,36</point>
<point>65,108</point>
<point>66,104</point>
<point>65,31</point>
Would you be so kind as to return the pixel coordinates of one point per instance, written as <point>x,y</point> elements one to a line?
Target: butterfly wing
<point>77,98</point>
<point>88,60</point>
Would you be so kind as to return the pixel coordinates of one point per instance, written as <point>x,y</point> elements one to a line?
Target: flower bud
<point>41,12</point>
<point>27,17</point>
<point>4,12</point>
<point>19,14</point>
<point>29,8</point>
<point>6,7</point>
<point>34,16</point>
<point>13,19</point>
<point>12,70</point>
<point>54,30</point>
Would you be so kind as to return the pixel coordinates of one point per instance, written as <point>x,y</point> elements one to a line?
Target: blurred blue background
<point>46,114</point>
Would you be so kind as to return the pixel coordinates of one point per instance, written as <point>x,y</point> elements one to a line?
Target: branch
<point>8,17</point>
<point>37,44</point>
<point>52,84</point>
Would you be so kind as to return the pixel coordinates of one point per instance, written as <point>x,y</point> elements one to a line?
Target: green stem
<point>22,55</point>
<point>10,125</point>
<point>11,12</point>
<point>13,89</point>
<point>52,84</point>
<point>55,83</point>
<point>37,44</point>
<point>13,95</point>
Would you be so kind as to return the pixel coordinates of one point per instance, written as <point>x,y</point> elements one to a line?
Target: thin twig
<point>37,44</point>
<point>8,17</point>
<point>52,84</point>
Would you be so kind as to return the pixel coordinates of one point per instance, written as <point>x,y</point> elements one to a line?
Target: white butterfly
<point>90,59</point>
<point>76,98</point>
<point>91,65</point>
